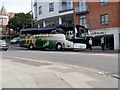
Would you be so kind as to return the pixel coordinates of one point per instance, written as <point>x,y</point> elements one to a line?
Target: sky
<point>16,6</point>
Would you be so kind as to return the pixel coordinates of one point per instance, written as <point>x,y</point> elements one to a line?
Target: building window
<point>83,21</point>
<point>103,2</point>
<point>82,6</point>
<point>40,10</point>
<point>104,19</point>
<point>35,10</point>
<point>51,7</point>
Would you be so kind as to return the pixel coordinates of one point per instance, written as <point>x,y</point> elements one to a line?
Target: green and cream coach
<point>59,38</point>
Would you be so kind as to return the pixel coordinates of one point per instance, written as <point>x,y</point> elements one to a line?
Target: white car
<point>15,40</point>
<point>3,45</point>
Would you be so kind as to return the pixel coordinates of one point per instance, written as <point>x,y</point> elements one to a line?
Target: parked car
<point>15,40</point>
<point>3,45</point>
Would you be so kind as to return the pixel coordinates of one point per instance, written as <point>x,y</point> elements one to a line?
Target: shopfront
<point>111,38</point>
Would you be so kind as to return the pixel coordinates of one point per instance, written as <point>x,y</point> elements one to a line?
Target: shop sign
<point>95,33</point>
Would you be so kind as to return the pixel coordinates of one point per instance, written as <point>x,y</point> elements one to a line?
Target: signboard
<point>96,33</point>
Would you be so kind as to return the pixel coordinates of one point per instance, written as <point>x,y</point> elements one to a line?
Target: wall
<point>119,13</point>
<point>45,10</point>
<point>75,5</point>
<point>4,23</point>
<point>95,10</point>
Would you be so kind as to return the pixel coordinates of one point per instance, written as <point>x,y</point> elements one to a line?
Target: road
<point>97,61</point>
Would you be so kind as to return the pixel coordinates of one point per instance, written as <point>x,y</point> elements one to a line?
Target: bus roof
<point>48,29</point>
<point>65,26</point>
<point>39,29</point>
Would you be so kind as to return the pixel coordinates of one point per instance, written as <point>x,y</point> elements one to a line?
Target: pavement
<point>102,51</point>
<point>26,74</point>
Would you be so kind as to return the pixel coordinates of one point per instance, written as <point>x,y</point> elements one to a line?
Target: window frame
<point>104,19</point>
<point>103,2</point>
<point>40,10</point>
<point>84,20</point>
<point>51,7</point>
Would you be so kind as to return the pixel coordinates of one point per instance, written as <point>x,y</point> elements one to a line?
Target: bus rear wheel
<point>31,46</point>
<point>58,46</point>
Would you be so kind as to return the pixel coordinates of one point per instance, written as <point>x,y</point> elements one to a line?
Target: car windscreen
<point>2,42</point>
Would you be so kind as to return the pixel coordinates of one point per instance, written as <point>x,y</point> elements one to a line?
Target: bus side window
<point>54,32</point>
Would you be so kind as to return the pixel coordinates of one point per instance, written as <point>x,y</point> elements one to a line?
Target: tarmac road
<point>107,62</point>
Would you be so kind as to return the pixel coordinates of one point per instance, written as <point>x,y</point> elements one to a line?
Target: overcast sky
<point>16,6</point>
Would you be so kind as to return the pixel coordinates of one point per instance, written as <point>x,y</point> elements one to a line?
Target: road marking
<point>70,65</point>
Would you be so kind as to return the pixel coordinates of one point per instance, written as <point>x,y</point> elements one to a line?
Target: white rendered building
<point>51,12</point>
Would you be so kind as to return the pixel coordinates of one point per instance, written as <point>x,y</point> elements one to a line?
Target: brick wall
<point>119,13</point>
<point>75,5</point>
<point>4,23</point>
<point>95,10</point>
<point>3,30</point>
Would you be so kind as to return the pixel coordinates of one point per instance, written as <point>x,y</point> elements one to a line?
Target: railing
<point>64,8</point>
<point>82,9</point>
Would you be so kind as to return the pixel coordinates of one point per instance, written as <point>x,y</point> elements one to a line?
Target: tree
<point>19,21</point>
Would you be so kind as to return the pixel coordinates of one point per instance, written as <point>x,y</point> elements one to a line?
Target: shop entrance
<point>108,41</point>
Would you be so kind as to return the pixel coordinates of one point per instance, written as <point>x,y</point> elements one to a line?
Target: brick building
<point>3,20</point>
<point>103,20</point>
<point>101,17</point>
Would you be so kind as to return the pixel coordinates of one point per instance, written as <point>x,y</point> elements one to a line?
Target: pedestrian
<point>90,43</point>
<point>102,43</point>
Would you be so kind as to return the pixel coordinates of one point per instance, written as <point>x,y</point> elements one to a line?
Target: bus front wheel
<point>31,46</point>
<point>59,46</point>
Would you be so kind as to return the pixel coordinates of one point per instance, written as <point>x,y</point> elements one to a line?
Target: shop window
<point>67,19</point>
<point>108,41</point>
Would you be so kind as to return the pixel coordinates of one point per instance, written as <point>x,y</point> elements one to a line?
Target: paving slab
<point>50,80</point>
<point>24,75</point>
